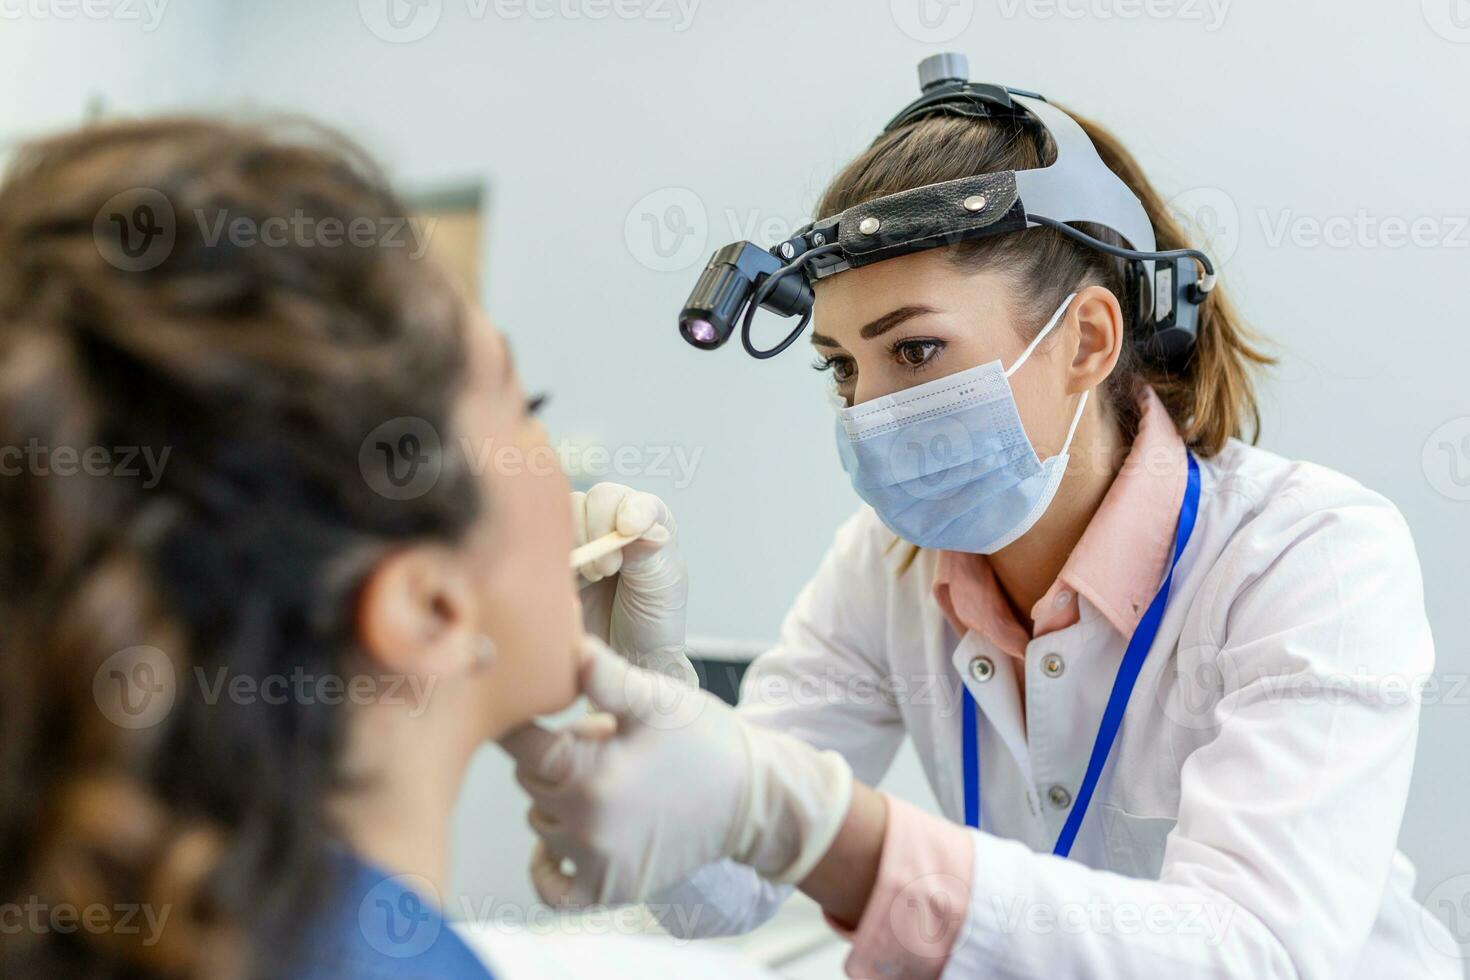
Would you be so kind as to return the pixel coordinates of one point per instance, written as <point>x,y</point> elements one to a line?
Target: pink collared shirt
<point>924,875</point>
<point>1117,564</point>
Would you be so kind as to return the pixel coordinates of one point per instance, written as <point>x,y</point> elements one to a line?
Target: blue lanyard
<point>1112,720</point>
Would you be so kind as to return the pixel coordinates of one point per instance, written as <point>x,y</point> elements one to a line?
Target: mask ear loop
<point>1055,319</point>
<point>1067,444</point>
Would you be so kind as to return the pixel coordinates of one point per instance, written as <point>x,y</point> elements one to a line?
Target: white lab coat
<point>1246,823</point>
<point>599,952</point>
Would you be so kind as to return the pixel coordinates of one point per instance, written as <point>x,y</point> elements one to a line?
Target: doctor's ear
<point>1100,337</point>
<point>416,613</point>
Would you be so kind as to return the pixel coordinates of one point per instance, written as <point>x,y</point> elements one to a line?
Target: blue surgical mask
<point>947,464</point>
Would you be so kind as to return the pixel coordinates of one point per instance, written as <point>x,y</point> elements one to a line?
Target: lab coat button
<point>1063,597</point>
<point>1053,665</point>
<point>1059,797</point>
<point>982,669</point>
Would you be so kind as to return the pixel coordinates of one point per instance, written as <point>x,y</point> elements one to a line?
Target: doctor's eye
<point>842,368</point>
<point>915,353</point>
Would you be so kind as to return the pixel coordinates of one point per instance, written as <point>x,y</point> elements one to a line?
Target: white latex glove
<point>637,596</point>
<point>668,780</point>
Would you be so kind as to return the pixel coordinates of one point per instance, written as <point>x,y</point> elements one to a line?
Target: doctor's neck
<point>1027,567</point>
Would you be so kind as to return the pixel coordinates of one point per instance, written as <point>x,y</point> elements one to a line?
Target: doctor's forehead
<point>860,305</point>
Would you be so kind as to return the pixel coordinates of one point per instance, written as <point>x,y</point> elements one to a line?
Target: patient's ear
<point>416,613</point>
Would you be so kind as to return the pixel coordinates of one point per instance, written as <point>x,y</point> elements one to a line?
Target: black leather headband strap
<point>927,217</point>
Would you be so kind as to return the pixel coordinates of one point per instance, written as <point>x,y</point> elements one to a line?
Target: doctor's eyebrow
<point>888,321</point>
<point>878,327</point>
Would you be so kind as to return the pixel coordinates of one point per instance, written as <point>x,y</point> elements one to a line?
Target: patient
<point>259,609</point>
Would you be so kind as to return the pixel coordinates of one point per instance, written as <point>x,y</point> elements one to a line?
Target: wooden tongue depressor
<point>599,548</point>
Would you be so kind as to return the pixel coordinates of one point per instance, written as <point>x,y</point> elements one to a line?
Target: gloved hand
<point>667,781</point>
<point>637,596</point>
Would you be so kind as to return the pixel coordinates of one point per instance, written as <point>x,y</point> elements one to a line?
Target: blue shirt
<point>381,925</point>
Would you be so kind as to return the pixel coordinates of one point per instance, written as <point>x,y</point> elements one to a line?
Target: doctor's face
<point>906,321</point>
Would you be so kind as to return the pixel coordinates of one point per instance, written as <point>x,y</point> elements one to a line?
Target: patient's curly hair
<point>258,369</point>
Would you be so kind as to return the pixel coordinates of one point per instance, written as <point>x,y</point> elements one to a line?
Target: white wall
<point>136,56</point>
<point>1258,113</point>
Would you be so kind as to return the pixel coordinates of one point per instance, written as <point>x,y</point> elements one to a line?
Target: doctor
<point>1162,683</point>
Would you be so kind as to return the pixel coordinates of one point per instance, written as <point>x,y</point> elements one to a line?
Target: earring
<point>483,651</point>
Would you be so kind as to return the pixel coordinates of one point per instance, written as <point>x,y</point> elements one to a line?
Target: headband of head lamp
<point>1076,187</point>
